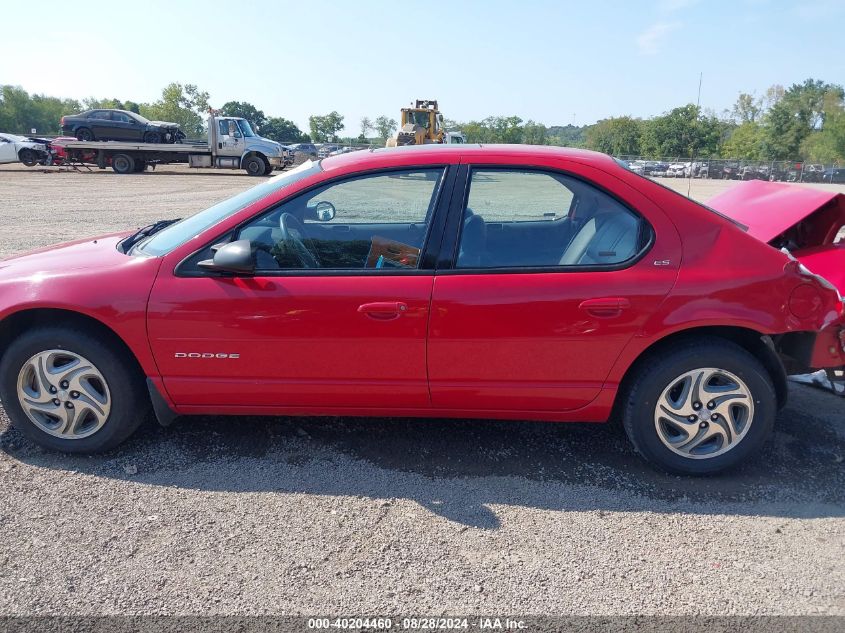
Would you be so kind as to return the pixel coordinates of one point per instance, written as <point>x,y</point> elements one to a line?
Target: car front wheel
<point>69,391</point>
<point>28,157</point>
<point>700,408</point>
<point>254,166</point>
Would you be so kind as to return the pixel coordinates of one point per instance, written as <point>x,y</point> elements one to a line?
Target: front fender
<point>89,278</point>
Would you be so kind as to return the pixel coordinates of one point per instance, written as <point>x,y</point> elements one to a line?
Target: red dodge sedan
<point>509,282</point>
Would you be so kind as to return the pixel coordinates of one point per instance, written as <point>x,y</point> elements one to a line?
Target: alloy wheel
<point>704,413</point>
<point>64,394</point>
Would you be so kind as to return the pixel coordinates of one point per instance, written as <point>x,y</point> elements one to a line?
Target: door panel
<point>299,341</point>
<point>230,141</point>
<point>8,153</point>
<point>301,332</point>
<point>523,342</point>
<point>101,124</point>
<point>124,128</point>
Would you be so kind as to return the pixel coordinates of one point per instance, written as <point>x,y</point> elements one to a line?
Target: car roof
<point>453,153</point>
<point>109,110</point>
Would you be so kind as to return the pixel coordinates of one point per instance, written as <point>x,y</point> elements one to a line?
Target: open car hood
<point>807,222</point>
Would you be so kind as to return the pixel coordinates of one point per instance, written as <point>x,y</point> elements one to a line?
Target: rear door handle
<point>606,307</point>
<point>383,310</point>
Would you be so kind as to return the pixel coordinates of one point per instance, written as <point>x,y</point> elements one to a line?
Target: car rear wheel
<point>152,137</point>
<point>700,408</point>
<point>123,163</point>
<point>84,134</point>
<point>69,391</point>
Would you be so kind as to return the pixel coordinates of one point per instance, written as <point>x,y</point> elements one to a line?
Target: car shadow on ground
<point>459,468</point>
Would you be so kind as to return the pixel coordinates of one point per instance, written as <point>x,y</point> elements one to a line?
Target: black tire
<point>28,157</point>
<point>123,163</point>
<point>130,403</point>
<point>268,168</point>
<point>84,134</point>
<point>152,137</point>
<point>254,166</point>
<point>659,370</point>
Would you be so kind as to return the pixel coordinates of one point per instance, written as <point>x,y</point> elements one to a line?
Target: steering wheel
<point>291,230</point>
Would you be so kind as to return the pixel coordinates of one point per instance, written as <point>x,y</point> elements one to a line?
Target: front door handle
<point>606,307</point>
<point>383,310</point>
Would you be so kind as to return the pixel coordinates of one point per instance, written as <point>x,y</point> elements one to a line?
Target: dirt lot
<point>346,516</point>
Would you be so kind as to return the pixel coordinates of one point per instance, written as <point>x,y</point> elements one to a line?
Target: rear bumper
<point>829,349</point>
<point>805,352</point>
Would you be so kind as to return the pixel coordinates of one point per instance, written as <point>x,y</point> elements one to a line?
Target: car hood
<point>164,123</point>
<point>805,221</point>
<point>91,253</point>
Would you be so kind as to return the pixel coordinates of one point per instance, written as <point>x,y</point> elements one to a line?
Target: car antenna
<point>692,158</point>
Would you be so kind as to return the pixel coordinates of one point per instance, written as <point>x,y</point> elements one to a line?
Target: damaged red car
<point>507,282</point>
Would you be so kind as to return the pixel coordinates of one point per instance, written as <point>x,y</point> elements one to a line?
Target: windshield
<point>245,129</point>
<point>419,118</point>
<point>138,117</point>
<point>177,234</point>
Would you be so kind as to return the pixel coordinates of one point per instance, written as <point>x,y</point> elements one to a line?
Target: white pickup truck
<point>232,144</point>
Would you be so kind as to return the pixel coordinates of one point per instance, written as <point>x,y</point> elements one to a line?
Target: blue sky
<point>554,62</point>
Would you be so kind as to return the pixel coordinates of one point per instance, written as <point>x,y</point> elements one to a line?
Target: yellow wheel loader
<point>421,125</point>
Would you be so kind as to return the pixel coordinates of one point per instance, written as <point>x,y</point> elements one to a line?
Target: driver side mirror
<point>235,257</point>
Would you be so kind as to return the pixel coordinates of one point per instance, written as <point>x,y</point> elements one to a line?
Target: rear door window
<point>522,218</point>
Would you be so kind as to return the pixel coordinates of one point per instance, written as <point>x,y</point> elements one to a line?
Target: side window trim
<point>427,252</point>
<point>447,260</point>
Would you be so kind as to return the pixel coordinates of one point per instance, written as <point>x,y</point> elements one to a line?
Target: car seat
<point>473,241</point>
<point>607,238</point>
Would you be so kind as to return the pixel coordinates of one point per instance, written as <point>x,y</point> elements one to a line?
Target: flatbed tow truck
<point>232,144</point>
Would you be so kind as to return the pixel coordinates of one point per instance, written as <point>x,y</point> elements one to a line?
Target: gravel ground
<point>347,516</point>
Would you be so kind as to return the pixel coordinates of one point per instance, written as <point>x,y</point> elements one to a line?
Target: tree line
<point>805,121</point>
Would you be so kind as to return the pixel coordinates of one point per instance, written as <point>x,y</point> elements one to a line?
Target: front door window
<point>376,221</point>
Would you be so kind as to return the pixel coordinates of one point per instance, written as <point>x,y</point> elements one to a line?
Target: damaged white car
<point>14,149</point>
